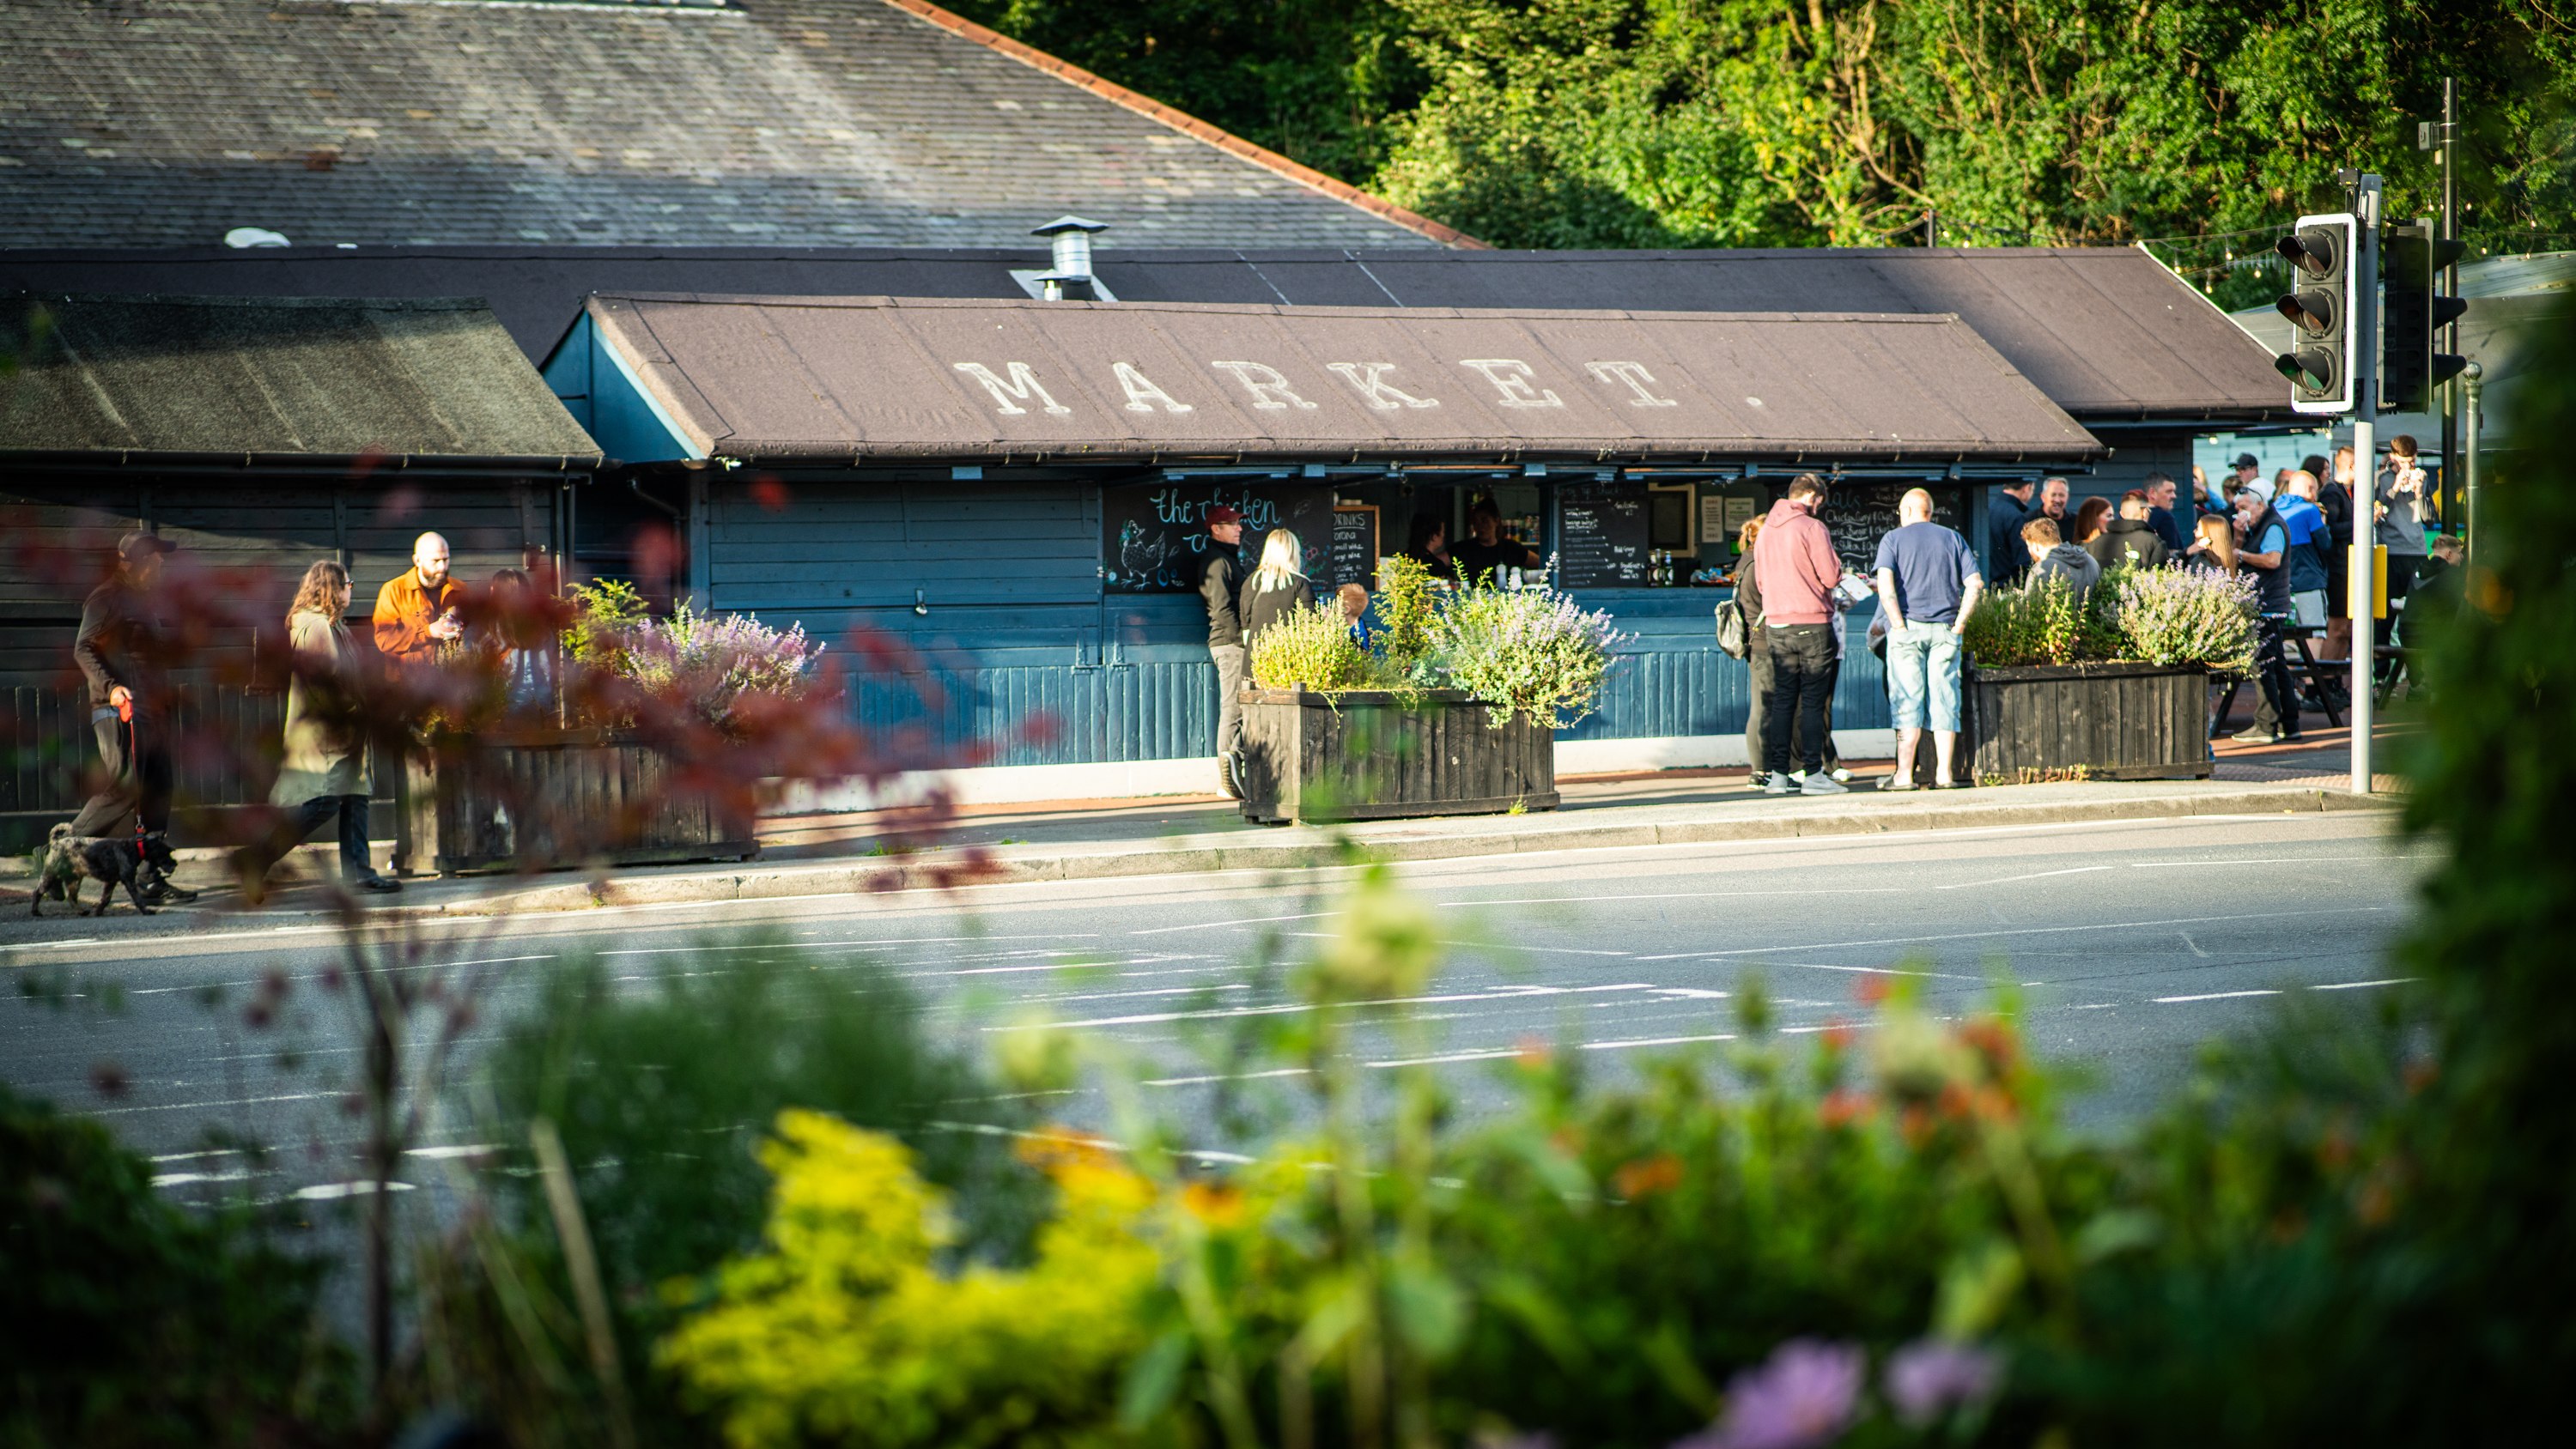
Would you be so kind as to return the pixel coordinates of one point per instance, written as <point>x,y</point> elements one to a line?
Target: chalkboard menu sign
<point>1601,536</point>
<point>1154,537</point>
<point>1860,514</point>
<point>1355,550</point>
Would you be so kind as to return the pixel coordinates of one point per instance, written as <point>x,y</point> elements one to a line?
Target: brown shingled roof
<point>780,122</point>
<point>281,377</point>
<point>782,378</point>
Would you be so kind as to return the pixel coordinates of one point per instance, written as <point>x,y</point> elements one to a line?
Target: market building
<point>257,435</point>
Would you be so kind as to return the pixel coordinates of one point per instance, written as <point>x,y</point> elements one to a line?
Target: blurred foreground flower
<point>1803,1398</point>
<point>1929,1378</point>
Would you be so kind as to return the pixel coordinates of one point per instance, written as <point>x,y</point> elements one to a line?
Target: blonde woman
<point>325,772</point>
<point>1276,587</point>
<point>2216,546</point>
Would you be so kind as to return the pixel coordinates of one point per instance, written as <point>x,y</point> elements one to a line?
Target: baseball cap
<point>136,547</point>
<point>1218,513</point>
<point>2246,460</point>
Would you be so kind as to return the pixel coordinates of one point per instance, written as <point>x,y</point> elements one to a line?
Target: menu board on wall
<point>1601,536</point>
<point>1355,549</point>
<point>1154,538</point>
<point>1860,514</point>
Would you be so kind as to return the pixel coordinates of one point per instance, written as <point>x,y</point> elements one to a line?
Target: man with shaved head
<point>1927,587</point>
<point>417,611</point>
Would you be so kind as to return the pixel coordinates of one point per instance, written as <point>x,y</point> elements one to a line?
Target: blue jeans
<point>1923,668</point>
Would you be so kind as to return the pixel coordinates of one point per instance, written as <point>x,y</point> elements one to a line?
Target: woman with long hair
<point>1276,587</point>
<point>2090,519</point>
<point>527,675</point>
<point>325,771</point>
<point>2217,551</point>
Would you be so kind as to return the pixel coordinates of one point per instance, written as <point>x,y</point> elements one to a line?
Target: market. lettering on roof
<point>1514,381</point>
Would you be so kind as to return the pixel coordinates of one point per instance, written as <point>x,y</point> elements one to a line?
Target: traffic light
<point>2410,258</point>
<point>2320,307</point>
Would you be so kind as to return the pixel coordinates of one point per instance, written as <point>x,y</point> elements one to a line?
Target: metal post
<point>2365,420</point>
<point>2469,446</point>
<point>1931,229</point>
<point>2450,281</point>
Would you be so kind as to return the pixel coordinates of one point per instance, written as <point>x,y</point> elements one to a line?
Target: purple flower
<point>1802,1399</point>
<point>1929,1377</point>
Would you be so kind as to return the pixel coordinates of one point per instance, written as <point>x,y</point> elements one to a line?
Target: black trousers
<point>1802,682</point>
<point>138,767</point>
<point>2277,711</point>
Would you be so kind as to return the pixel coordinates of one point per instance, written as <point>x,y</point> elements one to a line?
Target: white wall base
<point>1694,752</point>
<point>1137,779</point>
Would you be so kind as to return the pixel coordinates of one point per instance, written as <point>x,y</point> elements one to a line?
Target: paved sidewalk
<point>1106,839</point>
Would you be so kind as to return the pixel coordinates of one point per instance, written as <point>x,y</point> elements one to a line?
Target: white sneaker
<point>1777,785</point>
<point>1841,775</point>
<point>1823,785</point>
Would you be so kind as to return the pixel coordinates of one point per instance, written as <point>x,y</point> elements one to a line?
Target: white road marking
<point>2362,985</point>
<point>1224,1077</point>
<point>1651,1041</point>
<point>2211,996</point>
<point>2035,875</point>
<point>1251,921</point>
<point>2019,931</point>
<point>2195,946</point>
<point>1444,1059</point>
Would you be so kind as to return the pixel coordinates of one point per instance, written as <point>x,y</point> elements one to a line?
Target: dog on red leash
<point>71,859</point>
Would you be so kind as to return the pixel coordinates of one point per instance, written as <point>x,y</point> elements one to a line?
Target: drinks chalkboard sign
<point>1601,536</point>
<point>1154,537</point>
<point>1355,549</point>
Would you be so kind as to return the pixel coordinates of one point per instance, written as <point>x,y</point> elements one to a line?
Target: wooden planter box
<point>1364,755</point>
<point>540,798</point>
<point>2109,721</point>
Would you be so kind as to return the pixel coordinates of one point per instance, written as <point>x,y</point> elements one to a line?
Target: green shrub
<point>662,1088</point>
<point>1407,598</point>
<point>1528,652</point>
<point>1310,646</point>
<point>2044,623</point>
<point>125,1320</point>
<point>2176,615</point>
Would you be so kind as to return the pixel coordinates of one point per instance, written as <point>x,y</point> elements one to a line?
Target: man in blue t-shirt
<point>2308,533</point>
<point>1927,587</point>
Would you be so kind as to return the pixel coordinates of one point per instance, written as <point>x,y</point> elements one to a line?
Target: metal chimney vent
<point>1071,277</point>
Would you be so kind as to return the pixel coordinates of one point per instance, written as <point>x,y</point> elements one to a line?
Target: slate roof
<point>796,122</point>
<point>289,379</point>
<point>2108,333</point>
<point>814,378</point>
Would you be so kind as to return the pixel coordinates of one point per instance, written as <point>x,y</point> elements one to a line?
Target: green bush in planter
<point>1313,647</point>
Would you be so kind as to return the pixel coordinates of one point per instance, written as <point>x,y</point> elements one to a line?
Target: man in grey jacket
<point>1220,588</point>
<point>2053,558</point>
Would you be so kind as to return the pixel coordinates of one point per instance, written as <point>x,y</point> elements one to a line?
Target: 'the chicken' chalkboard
<point>1154,538</point>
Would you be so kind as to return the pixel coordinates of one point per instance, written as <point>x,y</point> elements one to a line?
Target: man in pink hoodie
<point>1796,568</point>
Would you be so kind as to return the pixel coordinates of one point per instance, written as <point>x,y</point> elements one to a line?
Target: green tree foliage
<point>1659,123</point>
<point>1314,80</point>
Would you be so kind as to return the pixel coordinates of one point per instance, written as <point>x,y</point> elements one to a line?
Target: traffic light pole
<point>2365,420</point>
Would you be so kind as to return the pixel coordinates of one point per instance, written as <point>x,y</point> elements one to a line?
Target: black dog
<point>111,862</point>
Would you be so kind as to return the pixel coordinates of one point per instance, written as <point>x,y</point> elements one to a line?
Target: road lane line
<point>2035,875</point>
<point>2210,996</point>
<point>2016,931</point>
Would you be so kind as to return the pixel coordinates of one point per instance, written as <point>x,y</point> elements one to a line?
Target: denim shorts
<point>1923,668</point>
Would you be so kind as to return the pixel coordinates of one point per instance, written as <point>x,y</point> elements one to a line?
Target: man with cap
<point>122,651</point>
<point>416,611</point>
<point>1220,585</point>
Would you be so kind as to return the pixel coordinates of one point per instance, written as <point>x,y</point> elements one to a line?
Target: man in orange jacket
<point>417,610</point>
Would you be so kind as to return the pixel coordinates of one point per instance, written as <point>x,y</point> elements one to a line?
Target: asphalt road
<point>2129,944</point>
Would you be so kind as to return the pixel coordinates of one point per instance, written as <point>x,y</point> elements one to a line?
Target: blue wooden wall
<point>1016,626</point>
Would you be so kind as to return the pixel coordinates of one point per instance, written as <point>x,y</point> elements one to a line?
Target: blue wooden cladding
<point>1156,700</point>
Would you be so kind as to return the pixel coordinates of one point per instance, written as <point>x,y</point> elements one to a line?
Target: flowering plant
<point>1533,652</point>
<point>1310,646</point>
<point>2178,616</point>
<point>708,664</point>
